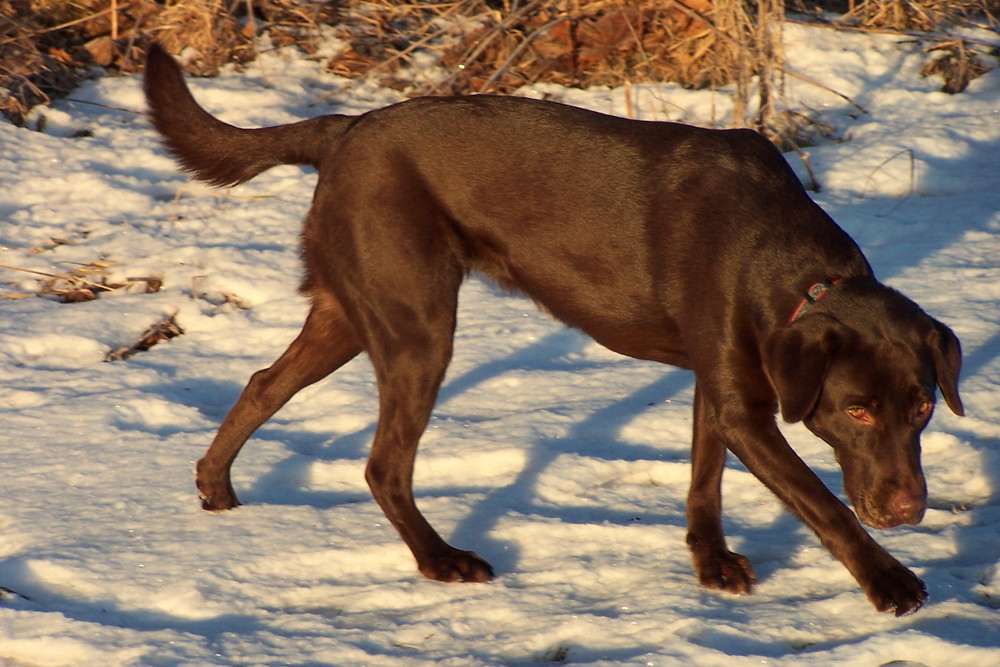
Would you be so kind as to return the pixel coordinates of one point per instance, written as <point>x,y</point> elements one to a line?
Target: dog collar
<point>815,292</point>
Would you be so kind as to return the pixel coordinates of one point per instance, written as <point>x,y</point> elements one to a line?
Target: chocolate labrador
<point>692,247</point>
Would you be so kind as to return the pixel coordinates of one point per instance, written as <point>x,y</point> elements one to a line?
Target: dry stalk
<point>28,33</point>
<point>85,283</point>
<point>922,15</point>
<point>423,41</point>
<point>870,181</point>
<point>516,53</point>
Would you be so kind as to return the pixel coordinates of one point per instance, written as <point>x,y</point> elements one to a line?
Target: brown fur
<point>667,242</point>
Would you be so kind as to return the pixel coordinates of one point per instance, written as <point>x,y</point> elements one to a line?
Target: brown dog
<point>693,247</point>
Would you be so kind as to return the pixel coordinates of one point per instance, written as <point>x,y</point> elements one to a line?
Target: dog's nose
<point>907,507</point>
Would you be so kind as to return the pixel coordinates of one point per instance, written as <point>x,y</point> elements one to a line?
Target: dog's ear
<point>796,358</point>
<point>946,352</point>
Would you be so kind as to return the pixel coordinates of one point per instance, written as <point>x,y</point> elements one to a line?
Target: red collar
<point>815,292</point>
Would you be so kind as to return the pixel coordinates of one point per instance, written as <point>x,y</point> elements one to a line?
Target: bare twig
<point>61,26</point>
<point>813,82</point>
<point>485,41</point>
<point>913,172</point>
<point>103,106</point>
<point>519,50</point>
<point>381,65</point>
<point>68,277</point>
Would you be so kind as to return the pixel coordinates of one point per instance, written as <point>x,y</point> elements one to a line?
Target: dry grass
<point>204,27</point>
<point>46,46</point>
<point>500,46</point>
<point>484,45</point>
<point>85,282</point>
<point>921,15</point>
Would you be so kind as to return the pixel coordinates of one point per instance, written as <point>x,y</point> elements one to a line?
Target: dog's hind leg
<point>326,342</point>
<point>716,566</point>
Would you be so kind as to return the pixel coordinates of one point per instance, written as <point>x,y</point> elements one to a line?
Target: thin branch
<point>814,82</point>
<point>528,39</point>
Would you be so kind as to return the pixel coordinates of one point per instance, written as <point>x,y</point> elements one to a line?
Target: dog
<point>693,247</point>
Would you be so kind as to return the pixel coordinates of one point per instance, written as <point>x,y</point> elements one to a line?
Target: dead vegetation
<point>957,62</point>
<point>919,15</point>
<point>86,282</point>
<point>506,45</point>
<point>158,332</point>
<point>484,45</point>
<point>47,46</point>
<point>501,45</point>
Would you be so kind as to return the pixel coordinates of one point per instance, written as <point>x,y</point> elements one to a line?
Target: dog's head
<point>860,371</point>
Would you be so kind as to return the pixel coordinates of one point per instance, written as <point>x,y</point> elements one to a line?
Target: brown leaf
<point>598,39</point>
<point>101,50</point>
<point>556,42</point>
<point>77,295</point>
<point>62,56</point>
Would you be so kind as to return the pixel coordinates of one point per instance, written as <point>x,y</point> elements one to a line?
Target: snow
<point>562,463</point>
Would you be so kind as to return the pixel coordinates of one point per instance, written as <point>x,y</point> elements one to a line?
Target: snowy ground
<point>563,464</point>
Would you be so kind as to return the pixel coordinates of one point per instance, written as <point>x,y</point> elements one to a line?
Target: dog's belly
<point>641,341</point>
<point>630,322</point>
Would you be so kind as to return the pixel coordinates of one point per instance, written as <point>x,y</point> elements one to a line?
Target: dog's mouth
<point>879,522</point>
<point>900,509</point>
<point>886,502</point>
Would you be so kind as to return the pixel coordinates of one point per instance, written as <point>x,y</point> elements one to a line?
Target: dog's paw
<point>215,491</point>
<point>218,502</point>
<point>725,571</point>
<point>455,565</point>
<point>895,589</point>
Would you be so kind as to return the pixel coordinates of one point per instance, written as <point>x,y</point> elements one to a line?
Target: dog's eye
<point>860,414</point>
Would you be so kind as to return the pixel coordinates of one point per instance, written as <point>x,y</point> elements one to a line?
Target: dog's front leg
<point>389,474</point>
<point>408,385</point>
<point>757,442</point>
<point>715,565</point>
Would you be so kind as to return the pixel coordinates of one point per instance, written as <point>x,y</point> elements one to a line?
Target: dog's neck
<point>815,292</point>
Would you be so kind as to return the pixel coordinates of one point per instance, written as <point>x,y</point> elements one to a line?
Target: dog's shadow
<point>597,436</point>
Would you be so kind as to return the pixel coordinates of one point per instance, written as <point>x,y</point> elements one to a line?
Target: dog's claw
<point>906,610</point>
<point>902,596</point>
<point>890,586</point>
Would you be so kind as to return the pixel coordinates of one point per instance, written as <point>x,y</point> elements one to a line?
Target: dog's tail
<point>221,154</point>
